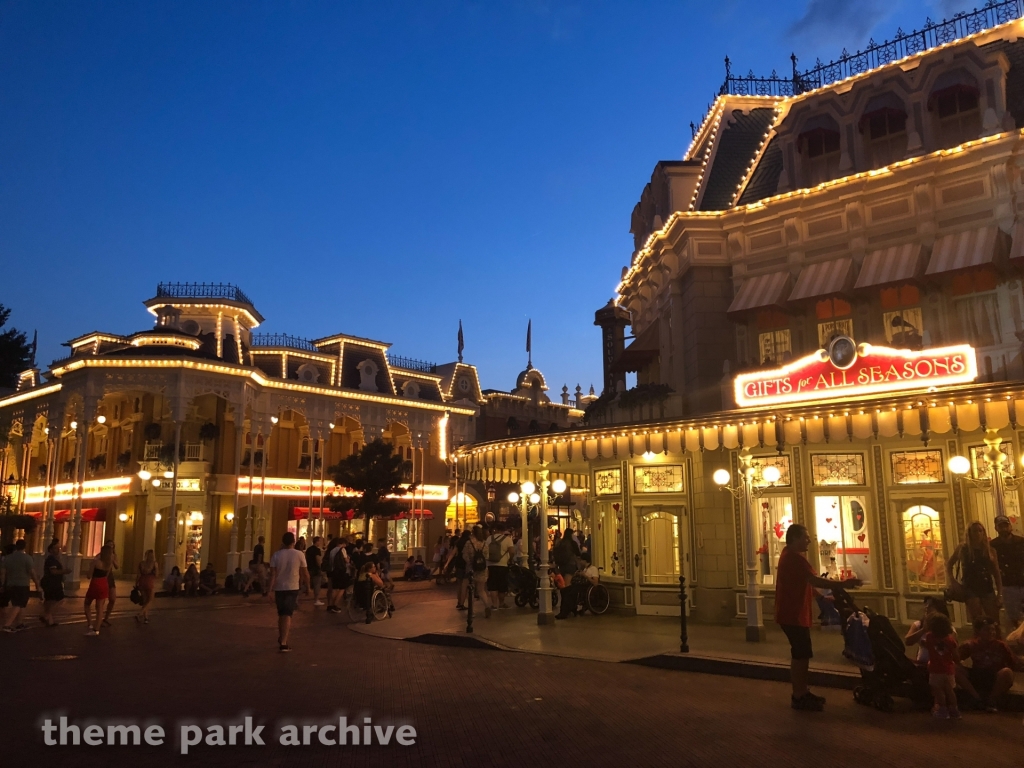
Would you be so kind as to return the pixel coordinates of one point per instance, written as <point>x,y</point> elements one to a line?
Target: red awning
<point>417,514</point>
<point>302,513</point>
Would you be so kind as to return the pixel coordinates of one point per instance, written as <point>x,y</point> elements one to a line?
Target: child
<point>940,643</point>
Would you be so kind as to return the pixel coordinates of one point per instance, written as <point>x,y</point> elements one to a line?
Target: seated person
<point>172,583</point>
<point>235,582</point>
<point>410,565</point>
<point>917,631</point>
<point>420,570</point>
<point>208,580</point>
<point>190,582</point>
<point>590,571</point>
<point>366,581</point>
<point>992,662</point>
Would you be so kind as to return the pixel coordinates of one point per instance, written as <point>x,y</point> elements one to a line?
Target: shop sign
<point>847,369</point>
<point>91,489</point>
<point>284,486</point>
<point>189,484</point>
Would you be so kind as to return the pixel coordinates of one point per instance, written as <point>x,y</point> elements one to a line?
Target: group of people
<point>481,557</point>
<point>986,575</point>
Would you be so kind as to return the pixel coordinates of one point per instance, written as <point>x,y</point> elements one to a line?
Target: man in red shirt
<point>794,596</point>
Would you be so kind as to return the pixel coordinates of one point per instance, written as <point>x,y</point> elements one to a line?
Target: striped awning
<point>896,264</point>
<point>973,248</point>
<point>761,291</point>
<point>826,278</point>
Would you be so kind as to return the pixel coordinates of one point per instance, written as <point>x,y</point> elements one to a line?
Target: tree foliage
<point>375,473</point>
<point>15,352</point>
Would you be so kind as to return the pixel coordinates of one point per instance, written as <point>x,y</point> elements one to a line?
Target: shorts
<point>287,601</point>
<point>983,680</point>
<point>339,579</point>
<point>497,578</point>
<point>314,575</point>
<point>799,641</point>
<point>98,589</point>
<point>938,680</point>
<point>17,595</point>
<point>460,573</point>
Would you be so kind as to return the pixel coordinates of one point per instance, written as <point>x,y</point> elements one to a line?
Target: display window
<point>610,538</point>
<point>844,541</point>
<point>776,517</point>
<point>922,542</point>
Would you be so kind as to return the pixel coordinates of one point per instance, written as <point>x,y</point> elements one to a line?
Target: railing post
<point>684,637</point>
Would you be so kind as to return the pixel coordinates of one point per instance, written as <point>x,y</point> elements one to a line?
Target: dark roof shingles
<point>738,145</point>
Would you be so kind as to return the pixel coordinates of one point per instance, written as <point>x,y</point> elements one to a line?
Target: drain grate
<point>58,657</point>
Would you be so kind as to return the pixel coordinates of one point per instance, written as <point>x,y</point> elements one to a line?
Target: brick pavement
<point>216,659</point>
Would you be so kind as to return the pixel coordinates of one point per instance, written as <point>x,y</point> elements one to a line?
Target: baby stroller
<point>525,585</point>
<point>875,646</point>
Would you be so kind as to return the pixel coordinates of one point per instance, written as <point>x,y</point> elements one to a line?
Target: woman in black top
<point>980,577</point>
<point>52,583</point>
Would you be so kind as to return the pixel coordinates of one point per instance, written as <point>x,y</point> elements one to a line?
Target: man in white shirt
<point>499,550</point>
<point>288,574</point>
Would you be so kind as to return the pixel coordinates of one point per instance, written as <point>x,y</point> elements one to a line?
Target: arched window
<point>818,145</point>
<point>884,128</point>
<point>955,109</point>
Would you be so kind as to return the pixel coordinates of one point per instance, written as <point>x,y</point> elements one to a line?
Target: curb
<point>754,670</point>
<point>455,641</point>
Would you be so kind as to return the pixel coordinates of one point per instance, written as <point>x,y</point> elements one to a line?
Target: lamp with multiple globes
<point>1000,476</point>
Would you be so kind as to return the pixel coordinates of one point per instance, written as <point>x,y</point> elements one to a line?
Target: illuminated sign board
<point>190,484</point>
<point>91,489</point>
<point>287,486</point>
<point>847,370</point>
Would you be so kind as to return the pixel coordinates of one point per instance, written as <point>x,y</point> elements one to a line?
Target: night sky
<point>380,169</point>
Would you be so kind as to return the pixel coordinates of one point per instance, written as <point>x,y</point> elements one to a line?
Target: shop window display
<point>776,517</point>
<point>922,541</point>
<point>658,478</point>
<point>608,482</point>
<point>611,553</point>
<point>781,463</point>
<point>843,537</point>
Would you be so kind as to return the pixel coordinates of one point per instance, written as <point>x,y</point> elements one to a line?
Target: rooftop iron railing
<point>903,44</point>
<point>282,340</point>
<point>202,291</point>
<point>396,361</point>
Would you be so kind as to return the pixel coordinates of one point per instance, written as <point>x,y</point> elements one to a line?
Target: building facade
<point>199,435</point>
<point>828,284</point>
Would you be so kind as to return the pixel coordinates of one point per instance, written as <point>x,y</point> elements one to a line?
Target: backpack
<point>327,562</point>
<point>479,561</point>
<point>494,549</point>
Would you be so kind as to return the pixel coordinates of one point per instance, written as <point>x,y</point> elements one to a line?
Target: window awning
<point>896,264</point>
<point>762,292</point>
<point>415,514</point>
<point>302,513</point>
<point>826,278</point>
<point>64,515</point>
<point>638,355</point>
<point>973,248</point>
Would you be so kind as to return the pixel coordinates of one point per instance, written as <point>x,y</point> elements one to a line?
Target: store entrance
<point>659,561</point>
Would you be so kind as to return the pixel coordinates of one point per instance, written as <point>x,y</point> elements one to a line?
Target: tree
<point>15,352</point>
<point>375,473</point>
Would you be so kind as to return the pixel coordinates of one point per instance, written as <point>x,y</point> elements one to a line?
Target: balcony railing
<point>193,451</point>
<point>396,361</point>
<point>282,340</point>
<point>202,291</point>
<point>157,451</point>
<point>152,451</point>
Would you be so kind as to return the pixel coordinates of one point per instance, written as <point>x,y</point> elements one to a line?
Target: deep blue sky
<point>380,169</point>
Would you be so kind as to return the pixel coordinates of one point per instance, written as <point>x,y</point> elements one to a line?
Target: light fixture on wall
<point>156,482</point>
<point>169,475</point>
<point>229,516</point>
<point>123,517</point>
<point>158,517</point>
<point>273,419</point>
<point>74,425</point>
<point>144,475</point>
<point>101,419</point>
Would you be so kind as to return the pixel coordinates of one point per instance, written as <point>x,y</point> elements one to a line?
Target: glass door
<point>659,561</point>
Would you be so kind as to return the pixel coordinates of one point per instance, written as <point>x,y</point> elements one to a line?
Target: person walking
<point>499,555</point>
<point>459,565</point>
<point>52,583</point>
<point>794,595</point>
<point>314,556</point>
<point>111,584</point>
<point>288,574</point>
<point>258,550</point>
<point>475,555</point>
<point>99,589</point>
<point>566,555</point>
<point>1009,549</point>
<point>17,577</point>
<point>980,578</point>
<point>146,582</point>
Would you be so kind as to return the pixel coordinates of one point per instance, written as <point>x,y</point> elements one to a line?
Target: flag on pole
<point>529,352</point>
<point>462,341</point>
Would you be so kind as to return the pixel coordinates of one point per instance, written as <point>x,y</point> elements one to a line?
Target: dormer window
<point>887,136</point>
<point>955,107</point>
<point>819,147</point>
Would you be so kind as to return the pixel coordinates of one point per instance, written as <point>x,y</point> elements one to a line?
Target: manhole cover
<point>58,657</point>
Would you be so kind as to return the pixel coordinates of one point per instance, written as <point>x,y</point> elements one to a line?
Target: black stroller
<point>525,585</point>
<point>892,672</point>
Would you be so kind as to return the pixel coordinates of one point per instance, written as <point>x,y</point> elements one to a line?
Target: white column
<point>170,554</point>
<point>755,606</point>
<point>262,520</point>
<point>247,545</point>
<point>545,614</point>
<point>53,457</point>
<point>75,546</point>
<point>233,546</point>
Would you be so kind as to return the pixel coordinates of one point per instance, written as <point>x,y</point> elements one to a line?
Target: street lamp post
<point>748,493</point>
<point>529,497</point>
<point>1000,478</point>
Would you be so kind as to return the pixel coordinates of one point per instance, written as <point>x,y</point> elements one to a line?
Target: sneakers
<point>105,623</point>
<point>92,633</point>
<point>10,630</point>
<point>940,713</point>
<point>20,627</point>
<point>284,648</point>
<point>990,706</point>
<point>333,609</point>
<point>954,713</point>
<point>502,607</point>
<point>318,602</point>
<point>808,703</point>
<point>460,608</point>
